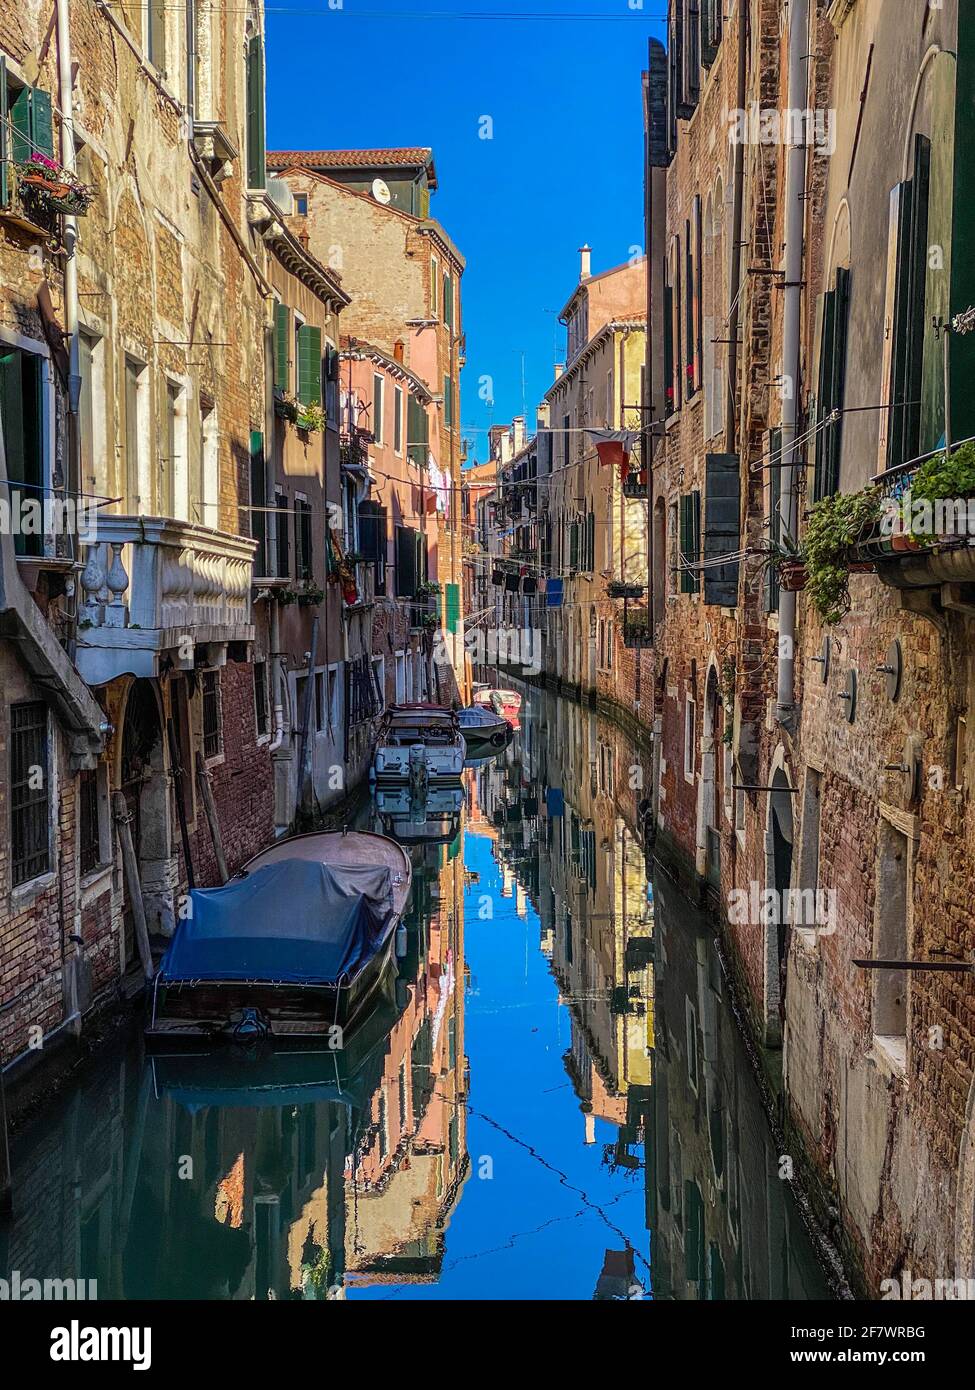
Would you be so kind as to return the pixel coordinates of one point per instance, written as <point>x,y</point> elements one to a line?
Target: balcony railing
<point>153,586</point>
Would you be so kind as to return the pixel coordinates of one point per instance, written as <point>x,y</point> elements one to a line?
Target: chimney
<point>398,350</point>
<point>559,369</point>
<point>585,258</point>
<point>518,432</point>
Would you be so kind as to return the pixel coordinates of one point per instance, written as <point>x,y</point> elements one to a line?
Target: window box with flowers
<point>52,187</point>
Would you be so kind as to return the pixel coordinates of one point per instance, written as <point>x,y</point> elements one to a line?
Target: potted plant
<point>54,187</point>
<point>836,525</point>
<point>619,588</point>
<point>310,596</point>
<point>940,480</point>
<point>790,567</point>
<point>310,418</point>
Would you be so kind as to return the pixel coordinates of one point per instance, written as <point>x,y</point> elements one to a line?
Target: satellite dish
<point>380,191</point>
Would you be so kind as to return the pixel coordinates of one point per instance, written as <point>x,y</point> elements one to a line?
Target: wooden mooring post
<point>131,866</point>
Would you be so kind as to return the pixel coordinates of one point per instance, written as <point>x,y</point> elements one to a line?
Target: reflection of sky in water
<point>541,1226</point>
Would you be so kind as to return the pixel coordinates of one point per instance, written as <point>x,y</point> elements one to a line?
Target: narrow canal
<point>553,1102</point>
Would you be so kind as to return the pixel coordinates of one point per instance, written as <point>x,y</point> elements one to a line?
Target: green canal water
<point>553,1100</point>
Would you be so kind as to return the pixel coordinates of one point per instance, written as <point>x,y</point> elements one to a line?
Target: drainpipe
<point>68,161</point>
<point>734,319</point>
<point>276,676</point>
<point>795,177</point>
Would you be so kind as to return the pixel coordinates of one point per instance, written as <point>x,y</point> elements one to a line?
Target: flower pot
<point>792,576</point>
<point>903,541</point>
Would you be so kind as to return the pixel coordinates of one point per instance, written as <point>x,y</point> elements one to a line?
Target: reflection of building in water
<point>404,1176</point>
<point>718,1229</point>
<point>559,798</point>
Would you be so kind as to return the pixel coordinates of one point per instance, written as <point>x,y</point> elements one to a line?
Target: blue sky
<point>564,165</point>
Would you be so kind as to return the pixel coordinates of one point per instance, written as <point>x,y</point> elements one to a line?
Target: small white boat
<point>484,730</point>
<point>419,743</point>
<point>503,702</point>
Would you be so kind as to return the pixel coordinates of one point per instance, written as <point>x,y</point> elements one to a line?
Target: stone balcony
<point>155,588</point>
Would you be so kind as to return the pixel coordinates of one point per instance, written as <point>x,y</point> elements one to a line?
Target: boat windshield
<point>401,734</point>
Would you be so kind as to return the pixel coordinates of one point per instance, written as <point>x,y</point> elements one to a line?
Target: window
<point>398,420</point>
<point>710,30</point>
<point>89,349</point>
<point>308,341</point>
<point>203,506</point>
<point>29,791</point>
<point>673,369</point>
<point>417,432</point>
<point>833,311</point>
<point>690,541</point>
<point>283,565</point>
<point>258,514</point>
<point>434,287</point>
<point>890,987</point>
<point>261,719</point>
<point>282,339</point>
<point>89,839</point>
<point>26,126</point>
<point>379,680</point>
<point>722,528</point>
<point>170,448</point>
<point>690,737</point>
<point>133,431</point>
<point>301,204</point>
<point>22,417</point>
<point>212,715</point>
<point>907,321</point>
<point>448,300</point>
<point>256,174</point>
<point>156,33</point>
<point>809,850</point>
<point>372,539</point>
<point>378,385</point>
<point>448,402</point>
<point>303,539</point>
<point>774,494</point>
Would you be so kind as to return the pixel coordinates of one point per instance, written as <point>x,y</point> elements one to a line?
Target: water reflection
<point>552,1099</point>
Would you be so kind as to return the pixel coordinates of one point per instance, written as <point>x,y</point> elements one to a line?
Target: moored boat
<point>483,729</point>
<point>419,743</point>
<point>506,703</point>
<point>294,946</point>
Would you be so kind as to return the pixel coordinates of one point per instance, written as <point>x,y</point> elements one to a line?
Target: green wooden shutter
<point>405,584</point>
<point>309,364</point>
<point>916,270</point>
<point>826,317</point>
<point>4,182</point>
<point>12,414</point>
<point>448,402</point>
<point>20,126</point>
<point>453,607</point>
<point>690,540</point>
<point>837,384</point>
<point>448,300</point>
<point>42,123</point>
<point>258,526</point>
<point>722,527</point>
<point>282,339</point>
<point>774,519</point>
<point>256,161</point>
<point>904,194</point>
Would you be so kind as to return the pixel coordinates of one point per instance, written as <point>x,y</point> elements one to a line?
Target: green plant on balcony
<point>835,526</point>
<point>53,187</point>
<point>310,596</point>
<point>285,406</point>
<point>311,417</point>
<point>427,588</point>
<point>942,478</point>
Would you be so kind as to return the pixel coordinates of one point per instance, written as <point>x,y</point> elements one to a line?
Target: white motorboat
<point>419,743</point>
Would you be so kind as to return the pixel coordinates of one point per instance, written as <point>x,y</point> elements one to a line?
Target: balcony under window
<point>156,590</point>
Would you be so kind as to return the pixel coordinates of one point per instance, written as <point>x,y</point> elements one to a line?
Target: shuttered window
<point>21,400</point>
<point>405,579</point>
<point>283,534</point>
<point>417,432</point>
<point>282,339</point>
<point>258,526</point>
<point>834,314</point>
<point>372,539</point>
<point>710,30</point>
<point>906,317</point>
<point>31,124</point>
<point>303,540</point>
<point>256,174</point>
<point>774,519</point>
<point>448,300</point>
<point>448,402</point>
<point>452,592</point>
<point>690,541</point>
<point>722,528</point>
<point>309,364</point>
<point>378,407</point>
<point>30,851</point>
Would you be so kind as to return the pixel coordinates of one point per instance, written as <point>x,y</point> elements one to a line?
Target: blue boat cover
<point>293,921</point>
